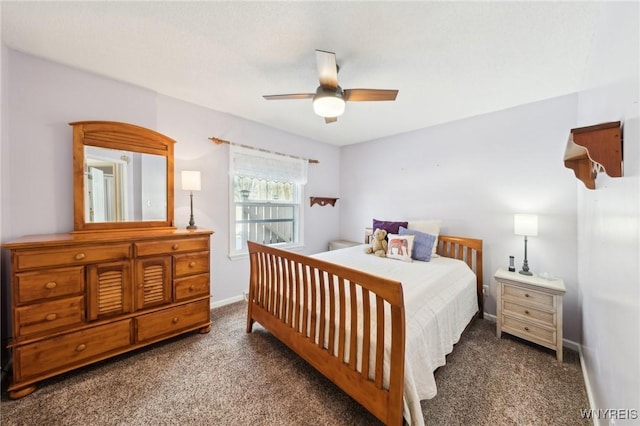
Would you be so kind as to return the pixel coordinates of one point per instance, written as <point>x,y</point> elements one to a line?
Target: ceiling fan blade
<point>291,96</point>
<point>327,68</point>
<point>330,119</point>
<point>361,95</point>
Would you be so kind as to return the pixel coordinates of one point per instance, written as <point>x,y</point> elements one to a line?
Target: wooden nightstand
<point>338,244</point>
<point>530,307</point>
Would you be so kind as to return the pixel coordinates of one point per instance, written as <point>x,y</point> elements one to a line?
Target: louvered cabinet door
<point>153,281</point>
<point>109,289</point>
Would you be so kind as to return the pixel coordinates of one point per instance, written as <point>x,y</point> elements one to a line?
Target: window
<point>265,198</point>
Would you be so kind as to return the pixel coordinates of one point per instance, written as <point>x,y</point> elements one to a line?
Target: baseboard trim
<point>489,317</point>
<point>228,301</point>
<point>587,383</point>
<point>570,344</point>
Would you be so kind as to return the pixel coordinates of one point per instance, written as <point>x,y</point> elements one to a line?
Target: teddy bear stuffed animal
<point>378,244</point>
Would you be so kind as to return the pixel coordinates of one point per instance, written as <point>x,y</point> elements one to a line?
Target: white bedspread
<point>440,300</point>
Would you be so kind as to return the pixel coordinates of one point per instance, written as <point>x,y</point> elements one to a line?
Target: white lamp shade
<point>190,180</point>
<point>525,224</point>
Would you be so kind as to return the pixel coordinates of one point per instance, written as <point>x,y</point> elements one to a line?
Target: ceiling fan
<point>329,98</point>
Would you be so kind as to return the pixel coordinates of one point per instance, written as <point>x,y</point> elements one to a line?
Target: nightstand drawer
<point>529,331</point>
<point>524,295</point>
<point>339,244</point>
<point>528,312</point>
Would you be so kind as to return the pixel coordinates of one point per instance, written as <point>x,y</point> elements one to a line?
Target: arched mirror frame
<point>121,136</point>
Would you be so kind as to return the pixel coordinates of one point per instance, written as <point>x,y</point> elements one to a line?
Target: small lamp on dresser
<point>527,225</point>
<point>191,182</point>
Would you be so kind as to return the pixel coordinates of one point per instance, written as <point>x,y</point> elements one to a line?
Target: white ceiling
<point>449,60</point>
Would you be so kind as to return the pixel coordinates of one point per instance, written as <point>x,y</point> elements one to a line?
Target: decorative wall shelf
<point>323,201</point>
<point>594,149</point>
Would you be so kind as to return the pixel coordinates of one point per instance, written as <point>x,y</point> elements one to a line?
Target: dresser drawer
<point>46,316</point>
<point>48,355</point>
<point>49,283</point>
<point>173,320</point>
<point>520,294</point>
<point>196,285</point>
<point>190,264</point>
<point>529,331</point>
<point>148,248</point>
<point>71,256</point>
<point>528,312</point>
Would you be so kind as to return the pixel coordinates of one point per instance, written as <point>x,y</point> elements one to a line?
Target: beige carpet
<point>228,377</point>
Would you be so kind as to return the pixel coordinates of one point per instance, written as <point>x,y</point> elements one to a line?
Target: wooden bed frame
<point>279,277</point>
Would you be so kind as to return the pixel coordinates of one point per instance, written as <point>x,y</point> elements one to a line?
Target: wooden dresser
<point>83,297</point>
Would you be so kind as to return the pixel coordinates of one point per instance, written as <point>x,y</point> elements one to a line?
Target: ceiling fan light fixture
<point>328,102</point>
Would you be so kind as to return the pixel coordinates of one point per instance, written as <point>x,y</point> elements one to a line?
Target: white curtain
<point>258,164</point>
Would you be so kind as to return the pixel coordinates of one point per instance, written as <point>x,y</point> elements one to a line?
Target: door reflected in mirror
<point>123,186</point>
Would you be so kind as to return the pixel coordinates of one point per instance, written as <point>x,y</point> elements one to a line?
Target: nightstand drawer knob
<point>526,312</point>
<point>192,264</point>
<point>175,320</point>
<point>51,317</point>
<point>175,247</point>
<point>80,256</point>
<point>526,295</point>
<point>51,285</point>
<point>81,347</point>
<point>526,329</point>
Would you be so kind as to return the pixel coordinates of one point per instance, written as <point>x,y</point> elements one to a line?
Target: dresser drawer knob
<point>526,329</point>
<point>51,285</point>
<point>526,312</point>
<point>175,320</point>
<point>51,317</point>
<point>192,264</point>
<point>192,288</point>
<point>175,247</point>
<point>526,295</point>
<point>81,347</point>
<point>80,256</point>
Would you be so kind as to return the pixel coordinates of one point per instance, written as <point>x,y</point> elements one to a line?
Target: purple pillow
<point>390,227</point>
<point>422,244</point>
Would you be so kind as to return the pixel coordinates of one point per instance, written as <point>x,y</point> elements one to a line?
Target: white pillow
<point>428,227</point>
<point>400,247</point>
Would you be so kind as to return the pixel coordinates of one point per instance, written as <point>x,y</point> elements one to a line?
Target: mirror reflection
<point>124,186</point>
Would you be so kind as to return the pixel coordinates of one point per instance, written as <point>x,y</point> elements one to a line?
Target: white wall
<point>475,174</point>
<point>42,97</point>
<point>192,126</point>
<point>609,220</point>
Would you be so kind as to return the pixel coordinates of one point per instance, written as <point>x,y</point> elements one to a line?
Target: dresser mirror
<point>123,177</point>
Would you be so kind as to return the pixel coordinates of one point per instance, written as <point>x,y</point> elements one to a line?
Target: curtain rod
<point>219,141</point>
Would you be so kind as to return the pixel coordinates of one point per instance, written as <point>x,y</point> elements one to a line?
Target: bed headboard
<point>469,250</point>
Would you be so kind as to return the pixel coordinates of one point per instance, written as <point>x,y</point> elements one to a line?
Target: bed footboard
<point>312,306</point>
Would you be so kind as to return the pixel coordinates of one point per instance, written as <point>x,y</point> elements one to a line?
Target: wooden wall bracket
<point>323,201</point>
<point>594,149</point>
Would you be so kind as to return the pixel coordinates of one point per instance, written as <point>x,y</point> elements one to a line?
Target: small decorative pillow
<point>428,227</point>
<point>400,247</point>
<point>422,244</point>
<point>390,227</point>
